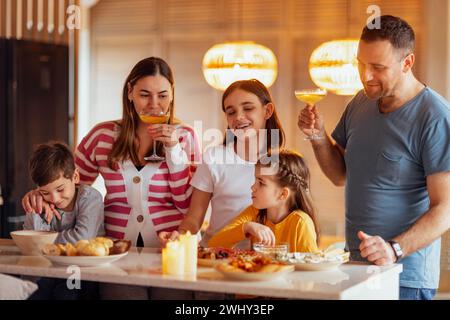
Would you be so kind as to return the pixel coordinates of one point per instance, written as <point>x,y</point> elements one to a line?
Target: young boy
<point>80,207</point>
<point>79,213</point>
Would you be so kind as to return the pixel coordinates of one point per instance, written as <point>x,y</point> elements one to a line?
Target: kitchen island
<point>142,267</point>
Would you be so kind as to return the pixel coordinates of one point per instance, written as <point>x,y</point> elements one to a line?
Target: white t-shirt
<point>229,178</point>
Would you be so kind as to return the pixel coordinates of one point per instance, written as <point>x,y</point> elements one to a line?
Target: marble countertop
<point>142,267</point>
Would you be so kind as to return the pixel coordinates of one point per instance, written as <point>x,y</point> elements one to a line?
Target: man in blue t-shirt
<point>392,152</point>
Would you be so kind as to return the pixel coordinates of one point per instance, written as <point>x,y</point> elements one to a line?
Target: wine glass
<point>311,97</point>
<point>154,118</point>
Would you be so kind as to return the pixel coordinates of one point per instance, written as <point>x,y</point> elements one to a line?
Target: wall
<point>46,21</point>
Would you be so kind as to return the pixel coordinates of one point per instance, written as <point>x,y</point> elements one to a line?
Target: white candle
<point>190,243</point>
<point>173,257</point>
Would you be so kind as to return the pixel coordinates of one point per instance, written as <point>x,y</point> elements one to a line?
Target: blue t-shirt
<point>388,157</point>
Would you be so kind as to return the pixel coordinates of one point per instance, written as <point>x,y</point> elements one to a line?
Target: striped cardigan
<point>169,189</point>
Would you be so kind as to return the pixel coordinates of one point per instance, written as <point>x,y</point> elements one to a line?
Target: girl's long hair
<point>259,89</point>
<point>127,143</point>
<point>293,174</point>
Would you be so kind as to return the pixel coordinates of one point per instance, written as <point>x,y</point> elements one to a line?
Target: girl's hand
<point>260,232</point>
<point>33,202</point>
<point>165,237</point>
<point>165,133</point>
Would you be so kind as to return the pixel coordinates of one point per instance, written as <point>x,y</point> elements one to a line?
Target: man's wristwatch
<point>397,249</point>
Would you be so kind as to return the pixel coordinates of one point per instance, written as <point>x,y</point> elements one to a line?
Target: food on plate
<point>53,250</point>
<point>120,246</point>
<point>337,255</point>
<point>99,246</point>
<point>214,253</point>
<point>94,249</point>
<point>106,241</point>
<point>253,263</point>
<point>209,257</point>
<point>70,250</point>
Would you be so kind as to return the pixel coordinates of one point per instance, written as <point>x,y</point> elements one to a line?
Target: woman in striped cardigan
<point>143,198</point>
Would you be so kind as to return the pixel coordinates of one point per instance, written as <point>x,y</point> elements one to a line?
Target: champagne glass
<point>311,97</point>
<point>154,118</point>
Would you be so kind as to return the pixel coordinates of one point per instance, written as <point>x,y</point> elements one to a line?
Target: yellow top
<point>297,229</point>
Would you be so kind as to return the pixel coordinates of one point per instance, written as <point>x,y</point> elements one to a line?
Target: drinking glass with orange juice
<point>154,118</point>
<point>311,97</point>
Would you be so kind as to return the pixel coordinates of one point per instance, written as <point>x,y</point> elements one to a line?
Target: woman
<point>143,198</point>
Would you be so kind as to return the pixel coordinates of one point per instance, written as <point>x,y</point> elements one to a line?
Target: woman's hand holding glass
<point>164,133</point>
<point>159,130</point>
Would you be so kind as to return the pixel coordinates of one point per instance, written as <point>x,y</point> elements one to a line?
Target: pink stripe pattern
<point>169,191</point>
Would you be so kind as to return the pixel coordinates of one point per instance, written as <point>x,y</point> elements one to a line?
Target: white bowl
<point>31,242</point>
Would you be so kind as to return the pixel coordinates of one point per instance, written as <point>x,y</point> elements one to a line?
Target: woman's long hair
<point>127,143</point>
<point>258,89</point>
<point>294,174</point>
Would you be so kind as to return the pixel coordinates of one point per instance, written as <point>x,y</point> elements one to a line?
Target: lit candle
<point>173,258</point>
<point>190,243</point>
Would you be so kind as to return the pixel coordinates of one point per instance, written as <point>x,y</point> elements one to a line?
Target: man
<point>392,152</point>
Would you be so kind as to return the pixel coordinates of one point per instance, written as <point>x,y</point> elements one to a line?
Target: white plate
<point>209,262</point>
<point>321,266</point>
<point>85,261</point>
<point>253,276</point>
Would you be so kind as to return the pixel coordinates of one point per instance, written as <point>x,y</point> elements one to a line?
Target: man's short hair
<point>394,29</point>
<point>49,161</point>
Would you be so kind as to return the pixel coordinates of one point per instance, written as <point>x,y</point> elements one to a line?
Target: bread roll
<point>94,249</point>
<point>70,250</point>
<point>81,243</point>
<point>62,249</point>
<point>108,242</point>
<point>51,250</point>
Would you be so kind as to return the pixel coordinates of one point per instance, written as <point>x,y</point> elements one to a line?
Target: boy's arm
<point>232,233</point>
<point>33,221</point>
<point>88,220</point>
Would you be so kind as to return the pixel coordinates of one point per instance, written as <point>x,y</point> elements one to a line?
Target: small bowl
<point>31,242</point>
<point>277,252</point>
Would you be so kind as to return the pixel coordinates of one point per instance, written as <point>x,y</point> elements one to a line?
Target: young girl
<point>227,172</point>
<point>281,210</point>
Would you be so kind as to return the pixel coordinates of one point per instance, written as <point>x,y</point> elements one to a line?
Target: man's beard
<point>374,95</point>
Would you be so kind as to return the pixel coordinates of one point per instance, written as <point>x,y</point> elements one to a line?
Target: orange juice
<point>310,98</point>
<point>155,119</point>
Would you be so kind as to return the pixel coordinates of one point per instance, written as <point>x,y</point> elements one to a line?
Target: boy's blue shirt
<point>85,221</point>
